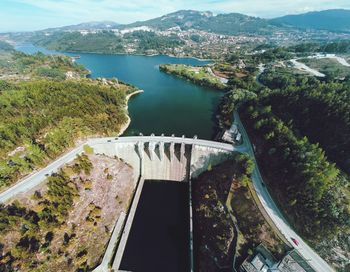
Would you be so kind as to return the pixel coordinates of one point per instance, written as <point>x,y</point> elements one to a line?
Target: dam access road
<point>313,259</point>
<point>36,178</point>
<point>124,147</point>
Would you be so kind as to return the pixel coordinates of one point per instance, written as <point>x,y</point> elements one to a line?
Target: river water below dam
<point>159,236</point>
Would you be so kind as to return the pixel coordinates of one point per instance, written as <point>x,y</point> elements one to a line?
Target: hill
<point>230,24</point>
<point>332,20</point>
<point>104,25</point>
<point>5,47</point>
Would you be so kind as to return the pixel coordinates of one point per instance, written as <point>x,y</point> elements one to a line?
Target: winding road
<point>266,200</point>
<point>314,260</point>
<point>37,177</point>
<point>303,67</point>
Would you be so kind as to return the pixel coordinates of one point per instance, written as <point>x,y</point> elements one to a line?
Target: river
<point>169,105</point>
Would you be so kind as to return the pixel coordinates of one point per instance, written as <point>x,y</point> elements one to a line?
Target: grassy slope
<point>74,235</point>
<point>199,75</point>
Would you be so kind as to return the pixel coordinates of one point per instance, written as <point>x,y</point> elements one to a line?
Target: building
<point>230,134</point>
<point>263,260</point>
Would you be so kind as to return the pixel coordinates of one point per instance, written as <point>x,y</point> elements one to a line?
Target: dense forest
<point>107,42</point>
<point>40,119</point>
<point>301,129</point>
<point>18,66</point>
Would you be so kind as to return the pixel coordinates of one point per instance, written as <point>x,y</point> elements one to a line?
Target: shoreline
<point>80,141</point>
<point>125,126</point>
<point>116,53</point>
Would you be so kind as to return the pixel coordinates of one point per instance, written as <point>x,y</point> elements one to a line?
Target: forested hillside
<point>301,131</point>
<point>334,20</point>
<point>229,24</point>
<point>41,119</point>
<point>18,66</point>
<point>107,42</point>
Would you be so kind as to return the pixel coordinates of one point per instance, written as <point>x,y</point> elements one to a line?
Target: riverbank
<point>126,125</point>
<point>85,90</point>
<point>123,53</point>
<point>201,75</point>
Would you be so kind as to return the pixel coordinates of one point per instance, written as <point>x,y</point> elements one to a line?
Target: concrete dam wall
<point>152,158</point>
<point>160,158</point>
<point>166,158</point>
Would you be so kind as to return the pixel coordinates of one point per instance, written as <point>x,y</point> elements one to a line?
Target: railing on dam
<point>164,139</point>
<point>108,142</point>
<point>152,157</point>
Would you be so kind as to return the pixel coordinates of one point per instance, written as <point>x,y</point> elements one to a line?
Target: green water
<point>169,105</point>
<point>159,238</point>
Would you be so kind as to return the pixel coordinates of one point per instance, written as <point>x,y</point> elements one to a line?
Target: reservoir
<point>169,105</point>
<point>159,236</point>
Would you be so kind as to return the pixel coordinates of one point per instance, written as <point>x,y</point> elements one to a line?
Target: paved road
<point>303,67</point>
<point>36,178</point>
<point>311,256</point>
<point>341,60</point>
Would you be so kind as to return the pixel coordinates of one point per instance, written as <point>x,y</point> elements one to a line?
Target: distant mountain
<point>332,20</point>
<point>4,46</point>
<point>232,23</point>
<point>87,26</point>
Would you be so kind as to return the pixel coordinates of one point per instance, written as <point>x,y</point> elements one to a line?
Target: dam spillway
<point>164,157</point>
<point>175,159</point>
<point>152,157</point>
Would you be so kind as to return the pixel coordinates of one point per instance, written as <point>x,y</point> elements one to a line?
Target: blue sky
<point>23,15</point>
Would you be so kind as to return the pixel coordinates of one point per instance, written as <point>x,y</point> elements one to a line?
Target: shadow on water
<point>159,236</point>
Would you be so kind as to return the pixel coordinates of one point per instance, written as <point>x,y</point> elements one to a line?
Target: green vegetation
<point>272,54</point>
<point>294,130</point>
<point>281,78</point>
<point>102,42</point>
<point>300,129</point>
<point>37,225</point>
<point>340,47</point>
<point>300,173</point>
<point>66,223</point>
<point>229,24</point>
<point>107,42</point>
<point>199,75</point>
<point>41,119</point>
<point>19,66</point>
<point>88,149</point>
<point>333,20</point>
<point>330,67</point>
<point>151,41</point>
<point>5,47</point>
<point>227,222</point>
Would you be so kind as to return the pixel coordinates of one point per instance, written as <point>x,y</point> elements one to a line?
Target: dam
<point>156,158</point>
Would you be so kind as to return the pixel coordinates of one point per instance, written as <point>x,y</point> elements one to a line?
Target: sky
<point>26,15</point>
